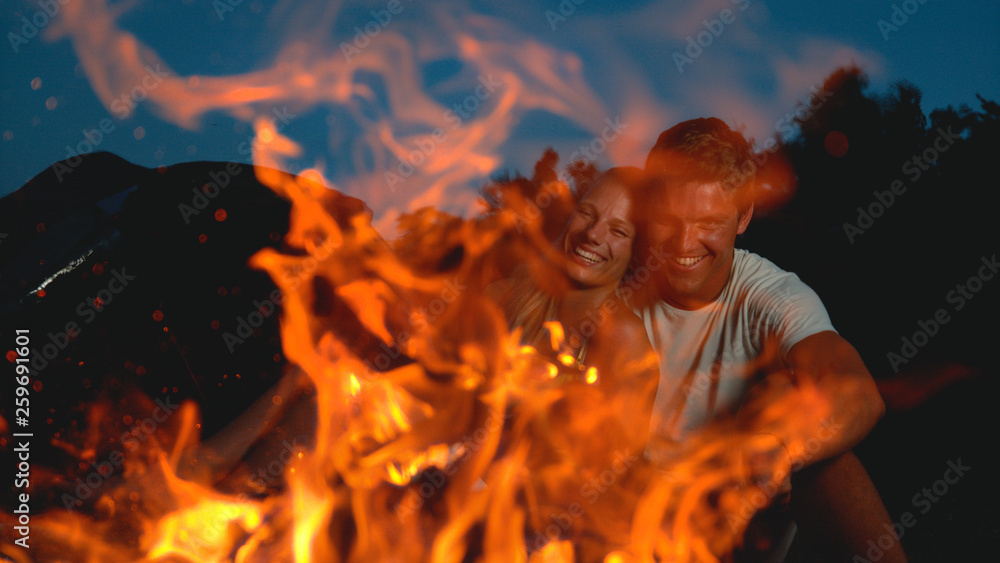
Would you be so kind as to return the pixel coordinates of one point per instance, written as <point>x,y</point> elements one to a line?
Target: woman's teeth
<point>588,256</point>
<point>688,261</point>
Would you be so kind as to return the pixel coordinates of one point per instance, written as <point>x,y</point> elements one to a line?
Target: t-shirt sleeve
<point>791,311</point>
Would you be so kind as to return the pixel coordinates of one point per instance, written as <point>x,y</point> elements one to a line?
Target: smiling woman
<point>596,251</point>
<point>599,237</point>
<point>595,328</point>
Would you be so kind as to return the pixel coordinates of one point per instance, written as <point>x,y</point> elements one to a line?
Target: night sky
<point>165,82</point>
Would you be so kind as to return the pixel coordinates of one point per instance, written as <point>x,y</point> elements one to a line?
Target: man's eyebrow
<point>664,213</point>
<point>714,219</point>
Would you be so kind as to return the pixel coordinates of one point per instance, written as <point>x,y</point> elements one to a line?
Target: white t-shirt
<point>708,357</point>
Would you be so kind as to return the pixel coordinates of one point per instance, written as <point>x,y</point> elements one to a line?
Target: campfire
<point>437,435</point>
<point>433,434</point>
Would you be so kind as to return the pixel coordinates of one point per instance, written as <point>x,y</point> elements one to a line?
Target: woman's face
<point>599,236</point>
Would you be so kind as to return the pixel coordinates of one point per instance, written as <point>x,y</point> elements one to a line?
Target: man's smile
<point>688,261</point>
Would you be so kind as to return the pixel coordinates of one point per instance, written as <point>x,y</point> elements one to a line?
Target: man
<point>719,316</point>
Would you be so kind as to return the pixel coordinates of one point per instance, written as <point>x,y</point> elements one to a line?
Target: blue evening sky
<point>372,93</point>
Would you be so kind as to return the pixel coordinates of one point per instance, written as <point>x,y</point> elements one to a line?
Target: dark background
<point>940,404</point>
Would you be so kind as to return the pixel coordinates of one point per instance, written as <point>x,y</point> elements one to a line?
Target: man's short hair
<point>704,150</point>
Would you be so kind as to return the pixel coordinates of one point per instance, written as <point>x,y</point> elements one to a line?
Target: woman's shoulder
<point>625,329</point>
<point>622,345</point>
<point>627,320</point>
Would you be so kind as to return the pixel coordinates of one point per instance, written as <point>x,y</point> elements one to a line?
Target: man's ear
<point>745,220</point>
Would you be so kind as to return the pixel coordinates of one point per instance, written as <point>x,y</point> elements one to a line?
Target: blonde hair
<point>527,306</point>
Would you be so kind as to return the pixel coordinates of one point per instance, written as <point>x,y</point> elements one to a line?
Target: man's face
<point>694,226</point>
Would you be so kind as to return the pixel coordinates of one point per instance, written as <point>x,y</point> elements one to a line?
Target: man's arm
<point>834,369</point>
<point>834,501</point>
<point>821,406</point>
<point>818,409</point>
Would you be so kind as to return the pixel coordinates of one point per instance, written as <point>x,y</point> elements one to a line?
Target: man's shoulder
<point>765,291</point>
<point>753,274</point>
<point>748,264</point>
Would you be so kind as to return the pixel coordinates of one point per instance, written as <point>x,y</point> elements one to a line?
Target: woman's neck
<point>578,305</point>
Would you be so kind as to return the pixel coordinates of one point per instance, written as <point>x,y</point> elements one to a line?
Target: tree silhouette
<point>885,230</point>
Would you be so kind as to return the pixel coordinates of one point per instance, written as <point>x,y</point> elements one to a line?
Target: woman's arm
<point>628,371</point>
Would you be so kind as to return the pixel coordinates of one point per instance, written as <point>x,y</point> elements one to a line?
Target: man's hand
<point>833,367</point>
